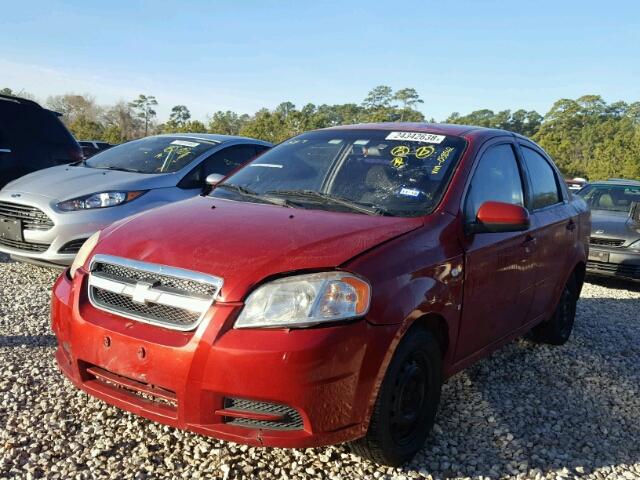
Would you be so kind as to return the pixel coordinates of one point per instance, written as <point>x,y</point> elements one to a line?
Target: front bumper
<point>328,376</point>
<point>613,262</point>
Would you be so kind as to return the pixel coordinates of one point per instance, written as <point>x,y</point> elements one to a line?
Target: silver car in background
<point>46,216</point>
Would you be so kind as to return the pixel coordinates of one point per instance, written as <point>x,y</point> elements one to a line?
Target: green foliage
<point>521,121</point>
<point>587,136</point>
<point>143,106</point>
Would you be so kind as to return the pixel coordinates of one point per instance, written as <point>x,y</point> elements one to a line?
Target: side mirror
<point>496,217</point>
<point>213,179</point>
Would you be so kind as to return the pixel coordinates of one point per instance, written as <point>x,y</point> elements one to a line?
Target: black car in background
<point>32,138</point>
<point>615,228</point>
<point>91,147</point>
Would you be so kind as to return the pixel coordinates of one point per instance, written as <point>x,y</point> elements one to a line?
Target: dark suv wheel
<point>407,403</point>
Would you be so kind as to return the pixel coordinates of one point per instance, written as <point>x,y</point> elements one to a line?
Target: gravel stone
<point>528,411</point>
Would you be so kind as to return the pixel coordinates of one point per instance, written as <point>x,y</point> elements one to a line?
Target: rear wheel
<point>557,330</point>
<point>407,403</point>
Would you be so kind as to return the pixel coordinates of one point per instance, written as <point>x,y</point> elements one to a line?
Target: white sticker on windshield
<point>335,142</point>
<point>361,142</point>
<point>411,192</point>
<point>184,143</point>
<point>266,165</point>
<point>416,137</point>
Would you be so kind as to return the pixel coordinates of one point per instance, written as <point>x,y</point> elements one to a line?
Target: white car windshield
<point>162,154</point>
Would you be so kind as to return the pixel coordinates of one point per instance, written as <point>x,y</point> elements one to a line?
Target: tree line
<point>587,136</point>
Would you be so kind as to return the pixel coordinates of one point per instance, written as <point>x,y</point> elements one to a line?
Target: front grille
<point>73,246</point>
<point>606,242</point>
<point>26,246</point>
<point>32,218</point>
<point>182,284</point>
<point>291,419</point>
<point>153,312</point>
<point>166,296</point>
<point>619,269</point>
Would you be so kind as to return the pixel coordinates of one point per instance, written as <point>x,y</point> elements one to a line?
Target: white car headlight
<point>98,200</point>
<point>83,253</point>
<point>635,245</point>
<point>304,300</point>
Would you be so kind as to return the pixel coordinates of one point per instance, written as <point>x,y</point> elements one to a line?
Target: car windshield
<point>379,172</point>
<point>614,198</point>
<point>151,154</point>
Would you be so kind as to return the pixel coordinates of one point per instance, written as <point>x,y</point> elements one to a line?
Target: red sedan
<point>322,293</point>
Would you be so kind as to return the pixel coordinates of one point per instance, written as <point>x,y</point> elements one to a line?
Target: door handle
<point>571,226</point>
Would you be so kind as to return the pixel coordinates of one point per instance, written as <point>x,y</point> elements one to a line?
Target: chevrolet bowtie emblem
<point>141,292</point>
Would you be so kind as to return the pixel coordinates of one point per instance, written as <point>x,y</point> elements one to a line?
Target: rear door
<point>498,289</point>
<point>555,229</point>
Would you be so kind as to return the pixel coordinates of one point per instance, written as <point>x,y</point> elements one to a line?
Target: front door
<point>498,287</point>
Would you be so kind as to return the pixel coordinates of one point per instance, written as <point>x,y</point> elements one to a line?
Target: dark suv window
<point>543,179</point>
<point>497,179</point>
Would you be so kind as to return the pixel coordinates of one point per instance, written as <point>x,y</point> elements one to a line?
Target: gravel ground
<point>529,411</point>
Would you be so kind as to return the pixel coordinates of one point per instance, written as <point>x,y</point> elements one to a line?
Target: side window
<point>228,159</point>
<point>222,162</point>
<point>543,179</point>
<point>497,178</point>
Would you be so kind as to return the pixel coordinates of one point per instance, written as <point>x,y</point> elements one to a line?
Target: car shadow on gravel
<point>533,408</point>
<point>27,341</point>
<point>614,283</point>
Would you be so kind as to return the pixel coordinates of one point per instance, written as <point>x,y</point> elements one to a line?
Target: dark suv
<point>32,138</point>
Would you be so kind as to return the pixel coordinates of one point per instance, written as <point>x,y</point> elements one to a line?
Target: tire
<point>407,402</point>
<point>557,330</point>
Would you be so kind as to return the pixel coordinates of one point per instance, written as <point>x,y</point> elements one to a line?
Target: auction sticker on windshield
<point>184,143</point>
<point>416,137</point>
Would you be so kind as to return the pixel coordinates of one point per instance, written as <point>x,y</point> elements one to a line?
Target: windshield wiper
<point>247,192</point>
<point>121,169</point>
<point>325,197</point>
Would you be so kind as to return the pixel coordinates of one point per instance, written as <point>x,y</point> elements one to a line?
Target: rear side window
<point>497,178</point>
<point>543,179</point>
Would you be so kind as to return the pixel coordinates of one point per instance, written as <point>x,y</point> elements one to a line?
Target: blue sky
<point>244,55</point>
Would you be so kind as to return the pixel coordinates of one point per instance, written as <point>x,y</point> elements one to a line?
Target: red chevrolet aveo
<point>322,293</point>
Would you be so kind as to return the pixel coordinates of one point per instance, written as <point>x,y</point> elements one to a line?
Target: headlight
<point>83,253</point>
<point>98,200</point>
<point>635,245</point>
<point>304,300</point>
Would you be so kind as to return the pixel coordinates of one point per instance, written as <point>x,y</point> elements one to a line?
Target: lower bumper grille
<point>149,393</point>
<point>73,246</point>
<point>255,414</point>
<point>25,246</point>
<point>619,269</point>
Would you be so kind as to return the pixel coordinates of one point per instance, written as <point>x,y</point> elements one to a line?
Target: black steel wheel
<point>407,403</point>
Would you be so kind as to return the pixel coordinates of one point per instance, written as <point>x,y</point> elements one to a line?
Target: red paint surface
<point>331,375</point>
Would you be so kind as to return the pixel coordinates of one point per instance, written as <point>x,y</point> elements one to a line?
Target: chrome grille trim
<point>32,217</point>
<point>150,293</point>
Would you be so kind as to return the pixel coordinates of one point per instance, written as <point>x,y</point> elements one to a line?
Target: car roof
<point>617,181</point>
<point>214,137</point>
<point>439,128</point>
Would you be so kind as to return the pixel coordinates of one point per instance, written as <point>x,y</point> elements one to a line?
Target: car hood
<point>243,242</point>
<point>64,182</point>
<point>605,224</point>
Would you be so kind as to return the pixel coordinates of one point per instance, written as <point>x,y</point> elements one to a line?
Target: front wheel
<point>407,403</point>
<point>557,330</point>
